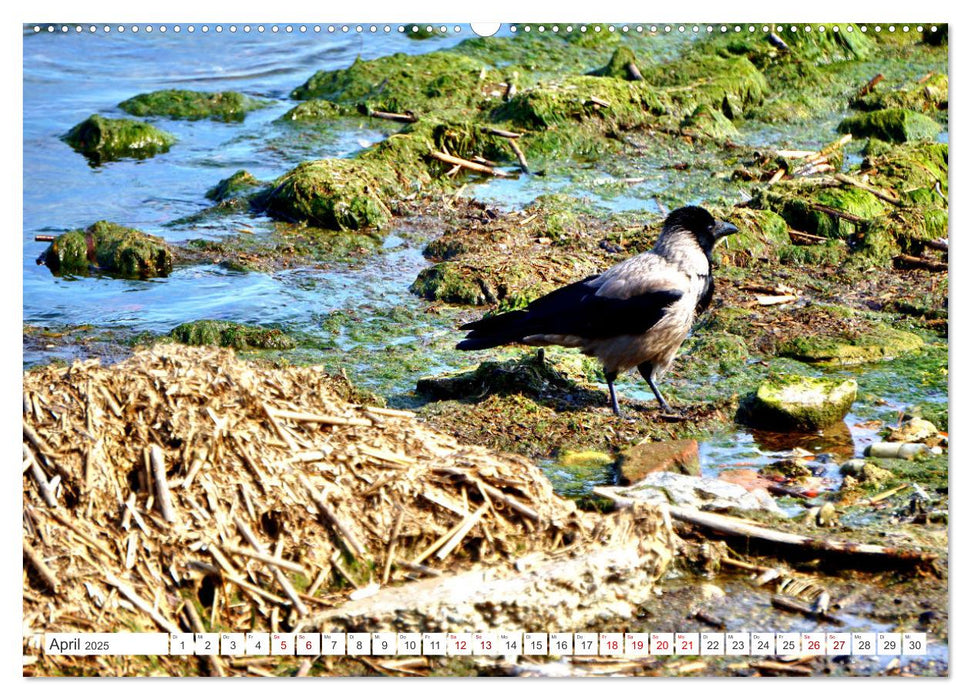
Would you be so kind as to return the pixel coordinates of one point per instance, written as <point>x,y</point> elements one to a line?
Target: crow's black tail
<point>493,331</point>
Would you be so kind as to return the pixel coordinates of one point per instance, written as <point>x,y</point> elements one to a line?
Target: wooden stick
<point>460,534</point>
<point>499,132</point>
<point>735,527</point>
<point>909,261</point>
<point>600,102</point>
<point>44,238</point>
<point>350,542</point>
<point>837,212</point>
<point>520,156</point>
<point>775,667</point>
<point>467,164</point>
<point>886,494</point>
<point>937,244</point>
<point>393,412</point>
<point>266,558</point>
<point>811,238</point>
<point>40,478</point>
<point>279,575</point>
<point>392,545</point>
<point>216,666</point>
<point>407,117</point>
<point>37,561</point>
<point>301,417</point>
<point>139,603</point>
<point>847,180</point>
<point>162,485</point>
<point>787,603</point>
<point>419,568</point>
<point>872,83</point>
<point>633,72</point>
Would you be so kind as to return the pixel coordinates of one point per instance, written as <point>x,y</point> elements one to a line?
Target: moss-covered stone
<point>317,111</point>
<point>930,95</point>
<point>424,82</point>
<point>729,84</point>
<point>809,208</point>
<point>894,125</point>
<point>534,374</point>
<point>761,235</point>
<point>710,122</point>
<point>235,185</point>
<point>619,65</point>
<point>879,342</point>
<point>102,139</point>
<point>230,334</point>
<point>792,402</point>
<point>192,104</point>
<point>110,249</point>
<point>335,193</point>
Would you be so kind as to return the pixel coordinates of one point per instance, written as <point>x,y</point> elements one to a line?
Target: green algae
<point>231,335</point>
<point>237,184</point>
<point>111,249</point>
<point>761,235</point>
<point>895,125</point>
<point>438,81</point>
<point>710,123</point>
<point>878,342</point>
<point>929,95</point>
<point>192,104</point>
<point>317,110</point>
<point>101,139</point>
<point>798,403</point>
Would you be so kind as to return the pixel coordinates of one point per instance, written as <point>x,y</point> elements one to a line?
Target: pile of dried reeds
<point>184,481</point>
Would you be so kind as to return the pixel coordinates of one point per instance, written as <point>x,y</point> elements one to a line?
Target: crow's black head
<point>696,220</point>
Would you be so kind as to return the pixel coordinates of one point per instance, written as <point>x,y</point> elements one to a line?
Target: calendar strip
<point>631,644</point>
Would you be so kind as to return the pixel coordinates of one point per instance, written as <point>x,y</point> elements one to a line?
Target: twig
<point>633,72</point>
<point>467,164</point>
<point>809,238</point>
<point>392,545</point>
<point>348,540</point>
<point>216,665</point>
<point>266,558</point>
<point>847,180</point>
<point>460,534</point>
<point>40,478</point>
<point>787,603</point>
<point>735,527</point>
<point>520,156</point>
<point>139,603</point>
<point>775,668</point>
<point>872,83</point>
<point>406,117</point>
<point>37,561</point>
<point>837,213</point>
<point>44,238</point>
<point>279,575</point>
<point>600,102</point>
<point>499,132</point>
<point>162,485</point>
<point>909,261</point>
<point>301,417</point>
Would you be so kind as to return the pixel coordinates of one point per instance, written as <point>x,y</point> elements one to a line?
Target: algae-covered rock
<point>336,193</point>
<point>894,125</point>
<point>230,334</point>
<point>879,342</point>
<point>812,209</point>
<point>317,110</point>
<point>619,65</point>
<point>192,104</point>
<point>536,375</point>
<point>399,82</point>
<point>730,84</point>
<point>793,402</point>
<point>236,184</point>
<point>102,139</point>
<point>930,95</point>
<point>710,122</point>
<point>110,249</point>
<point>761,235</point>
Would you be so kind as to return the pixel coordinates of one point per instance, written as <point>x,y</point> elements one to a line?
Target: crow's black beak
<point>722,229</point>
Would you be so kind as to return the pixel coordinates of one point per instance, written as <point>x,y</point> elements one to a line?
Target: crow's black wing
<point>574,310</point>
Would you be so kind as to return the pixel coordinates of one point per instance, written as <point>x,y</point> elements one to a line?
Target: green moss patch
<point>894,125</point>
<point>110,249</point>
<point>239,183</point>
<point>792,402</point>
<point>929,95</point>
<point>101,139</point>
<point>317,110</point>
<point>230,334</point>
<point>192,104</point>
<point>879,342</point>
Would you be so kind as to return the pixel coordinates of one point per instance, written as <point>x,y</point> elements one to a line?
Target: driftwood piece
<point>739,528</point>
<point>909,261</point>
<point>792,605</point>
<point>520,156</point>
<point>872,83</point>
<point>406,117</point>
<point>500,132</point>
<point>467,164</point>
<point>633,72</point>
<point>37,561</point>
<point>885,196</point>
<point>164,495</point>
<point>347,537</point>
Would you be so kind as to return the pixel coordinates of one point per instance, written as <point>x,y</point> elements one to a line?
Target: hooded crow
<point>636,314</point>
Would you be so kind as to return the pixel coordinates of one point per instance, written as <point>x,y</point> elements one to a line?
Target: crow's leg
<point>611,377</point>
<point>647,371</point>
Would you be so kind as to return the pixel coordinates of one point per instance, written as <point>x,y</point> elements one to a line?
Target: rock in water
<point>793,402</point>
<point>668,456</point>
